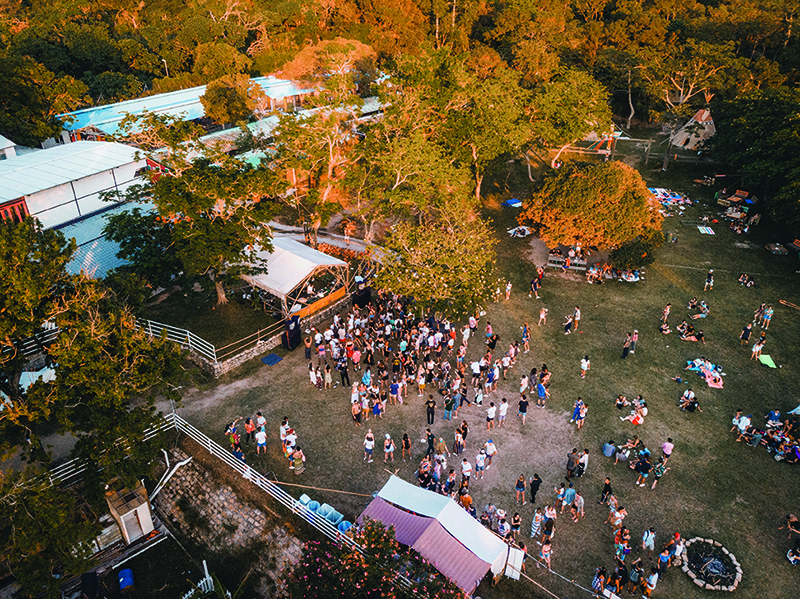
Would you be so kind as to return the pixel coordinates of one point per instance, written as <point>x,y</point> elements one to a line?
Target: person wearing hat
<point>388,448</point>
<point>491,451</point>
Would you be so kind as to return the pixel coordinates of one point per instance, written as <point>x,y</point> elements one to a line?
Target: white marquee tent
<point>289,266</point>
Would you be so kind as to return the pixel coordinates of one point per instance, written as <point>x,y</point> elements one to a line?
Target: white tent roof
<point>288,265</point>
<point>468,531</point>
<point>6,143</point>
<point>37,171</point>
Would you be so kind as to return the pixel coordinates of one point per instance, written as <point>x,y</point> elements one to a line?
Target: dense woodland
<point>654,62</point>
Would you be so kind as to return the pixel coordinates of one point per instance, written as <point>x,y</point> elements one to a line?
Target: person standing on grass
<point>501,412</point>
<point>490,414</point>
<point>542,394</point>
<point>430,408</point>
<point>572,463</point>
<point>649,583</point>
<point>519,487</point>
<point>369,446</point>
<point>585,366</point>
<point>634,339</point>
<point>659,470</point>
<point>626,347</point>
<point>577,507</point>
<point>542,316</point>
<point>405,444</point>
<point>643,467</point>
<point>523,408</point>
<point>709,286</point>
<point>581,419</point>
<point>576,318</point>
<point>491,451</point>
<point>388,448</point>
<point>249,430</point>
<point>526,338</point>
<point>757,347</point>
<point>261,440</point>
<point>545,553</point>
<point>576,410</point>
<point>534,484</point>
<point>508,290</point>
<point>667,447</point>
<point>431,439</point>
<point>635,575</point>
<point>480,464</point>
<point>449,405</point>
<point>606,492</point>
<point>649,542</point>
<point>665,313</point>
<point>466,470</point>
<point>767,317</point>
<point>744,338</point>
<point>569,497</point>
<point>536,523</point>
<point>535,287</point>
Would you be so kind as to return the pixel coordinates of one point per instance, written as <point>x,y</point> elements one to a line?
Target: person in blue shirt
<point>569,497</point>
<point>773,419</point>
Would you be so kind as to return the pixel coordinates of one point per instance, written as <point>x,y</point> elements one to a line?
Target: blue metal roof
<point>184,103</point>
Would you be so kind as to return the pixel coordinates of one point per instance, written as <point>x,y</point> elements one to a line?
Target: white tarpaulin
<point>289,264</point>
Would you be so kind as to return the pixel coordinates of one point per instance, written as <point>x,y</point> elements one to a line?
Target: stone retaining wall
<point>211,515</point>
<point>217,369</point>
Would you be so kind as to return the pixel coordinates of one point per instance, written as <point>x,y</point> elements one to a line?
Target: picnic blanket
<point>513,203</point>
<point>716,384</point>
<point>271,359</point>
<point>705,230</point>
<point>767,361</point>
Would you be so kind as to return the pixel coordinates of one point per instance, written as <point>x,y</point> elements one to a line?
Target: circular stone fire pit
<point>710,565</point>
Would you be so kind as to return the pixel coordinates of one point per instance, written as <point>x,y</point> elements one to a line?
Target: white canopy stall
<point>290,267</point>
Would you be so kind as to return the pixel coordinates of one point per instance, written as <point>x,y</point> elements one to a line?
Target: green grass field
<point>717,488</point>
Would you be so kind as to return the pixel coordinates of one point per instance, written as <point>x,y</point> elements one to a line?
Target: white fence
<point>182,337</point>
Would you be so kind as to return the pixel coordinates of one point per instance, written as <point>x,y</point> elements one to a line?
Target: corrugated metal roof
<point>184,103</point>
<point>95,254</point>
<point>30,173</point>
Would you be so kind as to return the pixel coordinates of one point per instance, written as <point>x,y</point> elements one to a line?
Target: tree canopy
<point>446,264</point>
<point>602,205</point>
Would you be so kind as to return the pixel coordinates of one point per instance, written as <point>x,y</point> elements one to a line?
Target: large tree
<point>446,263</point>
<point>602,205</point>
<point>34,278</point>
<point>45,537</point>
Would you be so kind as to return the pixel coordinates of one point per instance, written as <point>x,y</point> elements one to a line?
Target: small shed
<point>131,509</point>
<point>291,267</point>
<point>696,131</point>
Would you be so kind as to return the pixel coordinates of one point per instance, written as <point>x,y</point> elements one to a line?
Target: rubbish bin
<point>126,581</point>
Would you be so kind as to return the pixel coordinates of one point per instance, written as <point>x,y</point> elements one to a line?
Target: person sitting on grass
<point>773,419</point>
<point>692,304</point>
<point>690,404</point>
<point>664,329</point>
<point>705,310</point>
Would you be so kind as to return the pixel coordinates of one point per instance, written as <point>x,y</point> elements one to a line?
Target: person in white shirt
<point>490,414</point>
<point>491,451</point>
<point>466,469</point>
<point>261,441</point>
<point>501,417</point>
<point>585,365</point>
<point>480,463</point>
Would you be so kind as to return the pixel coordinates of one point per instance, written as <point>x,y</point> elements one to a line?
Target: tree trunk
<point>666,154</point>
<point>528,164</point>
<point>554,161</point>
<point>478,181</point>
<point>222,299</point>
<point>438,45</point>
<point>370,232</point>
<point>630,102</point>
<point>453,23</point>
